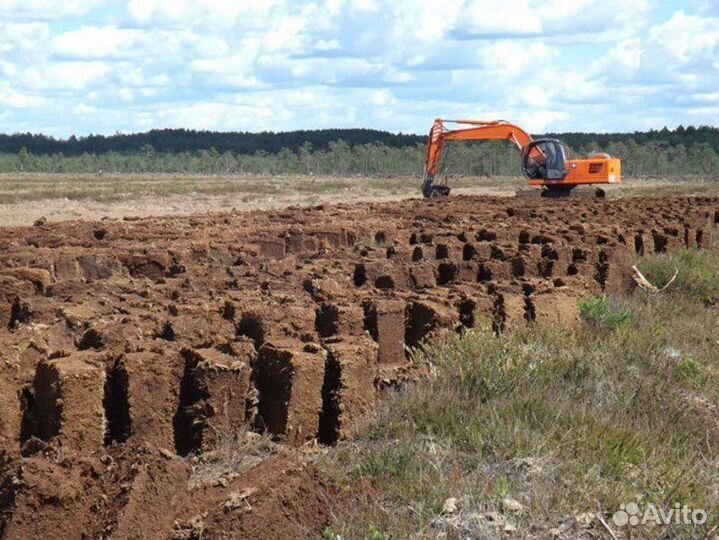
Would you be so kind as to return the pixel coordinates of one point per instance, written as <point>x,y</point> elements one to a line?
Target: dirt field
<point>25,198</point>
<point>131,345</point>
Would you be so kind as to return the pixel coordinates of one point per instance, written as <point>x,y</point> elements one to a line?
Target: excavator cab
<point>545,159</point>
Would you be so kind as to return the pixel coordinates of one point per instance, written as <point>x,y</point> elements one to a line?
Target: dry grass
<point>696,274</point>
<point>665,187</point>
<point>231,457</point>
<point>19,188</point>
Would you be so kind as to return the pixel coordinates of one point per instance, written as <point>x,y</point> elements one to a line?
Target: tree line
<point>686,136</point>
<point>372,158</point>
<point>184,140</point>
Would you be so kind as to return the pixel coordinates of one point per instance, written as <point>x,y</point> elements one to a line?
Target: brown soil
<point>127,347</point>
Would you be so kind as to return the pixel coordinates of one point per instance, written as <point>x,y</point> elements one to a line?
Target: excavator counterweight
<point>545,162</point>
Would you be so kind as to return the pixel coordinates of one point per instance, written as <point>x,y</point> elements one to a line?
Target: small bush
<point>697,277</point>
<point>602,313</point>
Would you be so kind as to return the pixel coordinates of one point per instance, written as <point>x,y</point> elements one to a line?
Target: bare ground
<point>24,198</point>
<point>28,197</point>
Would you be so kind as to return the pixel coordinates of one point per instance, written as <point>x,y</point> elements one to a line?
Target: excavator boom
<point>544,162</point>
<point>479,131</point>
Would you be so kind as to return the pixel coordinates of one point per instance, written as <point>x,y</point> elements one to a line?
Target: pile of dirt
<point>135,493</point>
<point>127,347</point>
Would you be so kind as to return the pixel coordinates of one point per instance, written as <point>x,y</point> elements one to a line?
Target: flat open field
<point>25,198</point>
<point>219,366</point>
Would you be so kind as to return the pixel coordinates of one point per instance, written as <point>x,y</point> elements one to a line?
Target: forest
<point>682,151</point>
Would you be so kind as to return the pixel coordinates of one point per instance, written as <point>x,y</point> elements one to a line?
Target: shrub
<point>603,313</point>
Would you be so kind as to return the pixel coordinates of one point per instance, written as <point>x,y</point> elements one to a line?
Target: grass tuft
<point>603,313</point>
<point>697,277</point>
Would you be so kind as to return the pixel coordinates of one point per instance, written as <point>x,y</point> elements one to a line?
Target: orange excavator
<point>545,162</point>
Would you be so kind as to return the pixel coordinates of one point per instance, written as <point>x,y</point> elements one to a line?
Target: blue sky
<point>92,66</point>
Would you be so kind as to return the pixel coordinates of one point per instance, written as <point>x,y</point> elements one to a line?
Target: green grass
<point>567,422</point>
<point>697,273</point>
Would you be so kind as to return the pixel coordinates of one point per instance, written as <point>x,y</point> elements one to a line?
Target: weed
<point>601,312</point>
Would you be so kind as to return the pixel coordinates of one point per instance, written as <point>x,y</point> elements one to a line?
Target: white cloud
<point>667,67</point>
<point>236,70</point>
<point>565,20</point>
<point>514,57</point>
<point>21,36</point>
<point>366,5</point>
<point>381,97</point>
<point>622,61</point>
<point>96,42</point>
<point>46,9</point>
<point>220,13</point>
<point>684,40</point>
<point>510,17</point>
<point>537,121</point>
<point>64,76</point>
<point>12,99</point>
<point>429,20</point>
<point>22,44</point>
<point>535,96</point>
<point>393,64</point>
<point>712,97</point>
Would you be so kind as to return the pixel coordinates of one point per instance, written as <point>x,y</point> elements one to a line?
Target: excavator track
<point>583,193</point>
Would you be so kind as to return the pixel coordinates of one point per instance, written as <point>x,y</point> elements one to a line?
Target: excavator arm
<point>477,131</point>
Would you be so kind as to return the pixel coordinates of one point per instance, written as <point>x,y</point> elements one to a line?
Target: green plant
<point>603,313</point>
<point>377,535</point>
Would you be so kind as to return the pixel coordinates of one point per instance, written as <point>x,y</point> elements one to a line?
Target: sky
<point>93,66</point>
